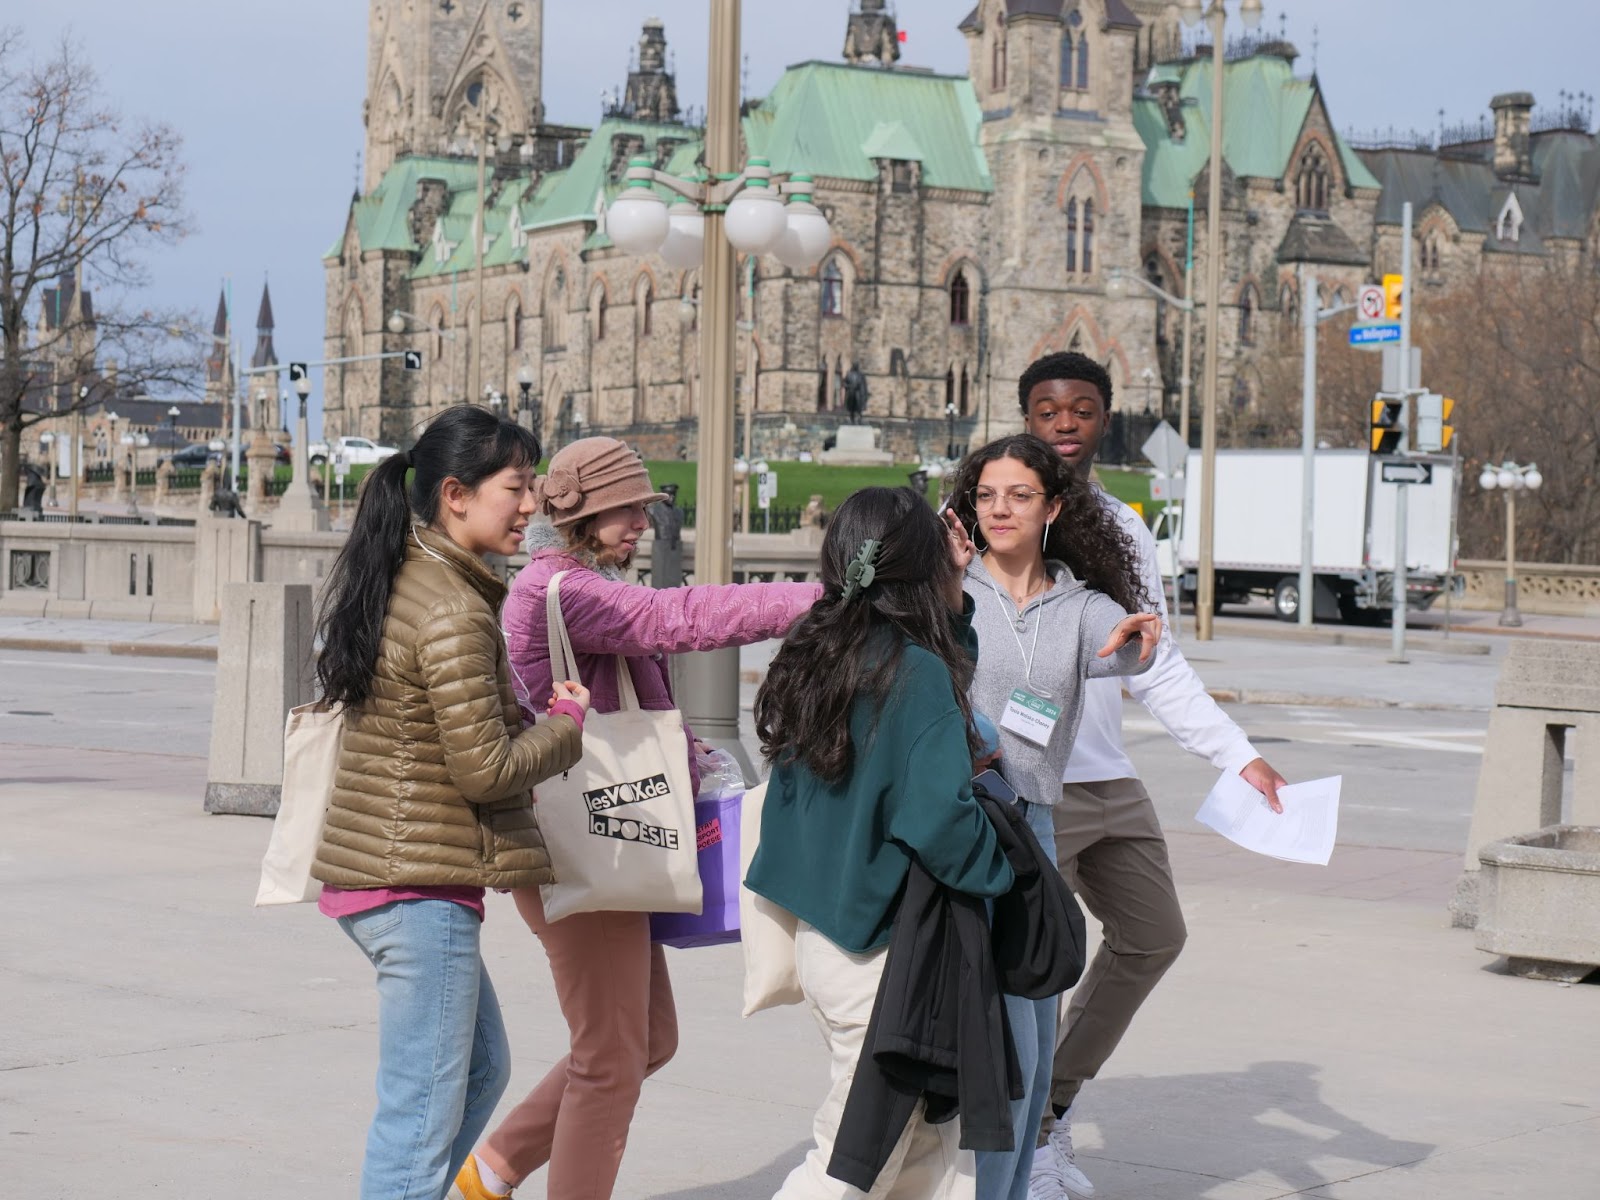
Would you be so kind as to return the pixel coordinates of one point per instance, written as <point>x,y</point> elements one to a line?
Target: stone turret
<point>652,93</point>
<point>872,37</point>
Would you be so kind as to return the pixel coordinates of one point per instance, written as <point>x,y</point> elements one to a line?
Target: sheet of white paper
<point>1304,832</point>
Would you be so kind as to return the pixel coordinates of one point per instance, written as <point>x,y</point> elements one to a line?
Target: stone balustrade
<point>125,569</point>
<point>1545,589</point>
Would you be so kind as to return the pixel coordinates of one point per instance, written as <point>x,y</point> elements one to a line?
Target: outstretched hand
<point>1260,775</point>
<point>1144,626</point>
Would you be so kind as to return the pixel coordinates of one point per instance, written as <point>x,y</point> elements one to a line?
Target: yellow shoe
<point>468,1185</point>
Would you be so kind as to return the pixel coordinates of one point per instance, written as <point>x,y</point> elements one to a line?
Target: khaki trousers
<point>1110,849</point>
<point>927,1162</point>
<point>614,991</point>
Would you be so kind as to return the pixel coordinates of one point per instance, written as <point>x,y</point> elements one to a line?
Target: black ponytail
<point>466,443</point>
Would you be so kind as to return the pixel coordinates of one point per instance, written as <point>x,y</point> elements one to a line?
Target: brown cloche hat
<point>590,476</point>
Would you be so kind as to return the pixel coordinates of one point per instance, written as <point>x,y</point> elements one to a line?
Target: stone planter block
<point>1539,900</point>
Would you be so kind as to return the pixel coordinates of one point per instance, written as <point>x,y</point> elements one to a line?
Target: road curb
<point>124,649</point>
<point>1430,641</point>
<point>1307,700</point>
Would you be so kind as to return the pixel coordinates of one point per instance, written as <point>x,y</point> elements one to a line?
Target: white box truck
<point>1257,538</point>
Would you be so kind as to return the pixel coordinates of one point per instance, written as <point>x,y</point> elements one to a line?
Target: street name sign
<point>1407,472</point>
<point>1374,335</point>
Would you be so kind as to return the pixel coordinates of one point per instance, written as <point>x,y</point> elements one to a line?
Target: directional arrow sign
<point>297,372</point>
<point>1407,472</point>
<point>413,360</point>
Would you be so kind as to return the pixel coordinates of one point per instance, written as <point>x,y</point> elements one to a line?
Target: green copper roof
<point>1264,110</point>
<point>832,119</point>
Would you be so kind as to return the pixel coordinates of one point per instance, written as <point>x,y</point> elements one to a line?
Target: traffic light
<point>1394,290</point>
<point>1388,426</point>
<point>1434,431</point>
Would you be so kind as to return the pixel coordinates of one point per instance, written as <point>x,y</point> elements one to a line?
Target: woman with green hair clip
<point>865,719</point>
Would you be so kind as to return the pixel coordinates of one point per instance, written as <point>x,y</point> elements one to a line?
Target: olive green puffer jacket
<point>436,772</point>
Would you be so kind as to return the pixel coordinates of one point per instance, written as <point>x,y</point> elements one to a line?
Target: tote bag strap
<point>564,661</point>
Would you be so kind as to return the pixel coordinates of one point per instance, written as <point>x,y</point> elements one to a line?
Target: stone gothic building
<point>975,221</point>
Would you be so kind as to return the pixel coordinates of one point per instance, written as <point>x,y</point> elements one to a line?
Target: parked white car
<point>354,450</point>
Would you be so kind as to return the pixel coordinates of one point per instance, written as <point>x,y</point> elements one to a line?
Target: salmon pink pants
<point>612,985</point>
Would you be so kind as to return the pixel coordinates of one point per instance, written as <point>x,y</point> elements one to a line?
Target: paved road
<point>1324,1034</point>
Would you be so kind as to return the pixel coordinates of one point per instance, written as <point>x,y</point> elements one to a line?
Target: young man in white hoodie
<point>1108,840</point>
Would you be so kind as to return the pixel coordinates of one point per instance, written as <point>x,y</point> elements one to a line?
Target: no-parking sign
<point>1370,305</point>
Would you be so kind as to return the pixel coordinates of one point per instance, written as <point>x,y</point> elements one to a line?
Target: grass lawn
<point>798,482</point>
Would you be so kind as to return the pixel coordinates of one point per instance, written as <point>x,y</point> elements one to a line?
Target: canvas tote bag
<point>310,761</point>
<point>771,977</point>
<point>619,826</point>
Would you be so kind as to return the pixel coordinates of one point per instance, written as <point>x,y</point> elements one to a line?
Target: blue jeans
<point>1004,1175</point>
<point>443,1060</point>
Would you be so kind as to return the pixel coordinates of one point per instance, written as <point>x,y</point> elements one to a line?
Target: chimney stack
<point>1513,142</point>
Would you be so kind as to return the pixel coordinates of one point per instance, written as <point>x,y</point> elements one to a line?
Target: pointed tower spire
<point>265,355</point>
<point>219,370</point>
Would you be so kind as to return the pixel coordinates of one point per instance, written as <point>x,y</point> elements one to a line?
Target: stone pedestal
<point>226,552</point>
<point>1539,902</point>
<point>264,668</point>
<point>263,460</point>
<point>164,474</point>
<point>857,446</point>
<point>1547,699</point>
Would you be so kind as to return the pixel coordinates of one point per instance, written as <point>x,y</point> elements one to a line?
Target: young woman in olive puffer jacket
<point>433,798</point>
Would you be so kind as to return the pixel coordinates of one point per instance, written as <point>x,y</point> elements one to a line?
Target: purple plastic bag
<point>717,837</point>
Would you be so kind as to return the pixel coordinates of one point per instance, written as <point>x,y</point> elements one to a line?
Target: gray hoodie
<point>1061,630</point>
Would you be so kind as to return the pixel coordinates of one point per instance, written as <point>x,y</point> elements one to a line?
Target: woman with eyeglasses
<point>1057,600</point>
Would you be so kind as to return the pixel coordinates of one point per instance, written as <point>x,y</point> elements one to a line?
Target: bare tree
<point>84,193</point>
<point>1518,349</point>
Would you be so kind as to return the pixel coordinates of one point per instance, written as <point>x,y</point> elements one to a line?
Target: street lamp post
<point>1216,15</point>
<point>525,386</point>
<point>738,211</point>
<point>301,508</point>
<point>1511,478</point>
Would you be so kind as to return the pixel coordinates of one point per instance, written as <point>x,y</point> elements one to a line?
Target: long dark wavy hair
<point>466,443</point>
<point>840,651</point>
<point>1084,535</point>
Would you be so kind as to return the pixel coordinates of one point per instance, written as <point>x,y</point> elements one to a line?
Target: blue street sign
<point>1374,335</point>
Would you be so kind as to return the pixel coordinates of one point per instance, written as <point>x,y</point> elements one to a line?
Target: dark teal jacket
<point>837,856</point>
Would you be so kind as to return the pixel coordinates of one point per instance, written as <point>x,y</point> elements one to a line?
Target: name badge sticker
<point>1030,717</point>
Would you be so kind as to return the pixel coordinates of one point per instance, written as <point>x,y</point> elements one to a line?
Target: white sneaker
<point>1056,1174</point>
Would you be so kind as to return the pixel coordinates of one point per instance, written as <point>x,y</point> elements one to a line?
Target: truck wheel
<point>1286,599</point>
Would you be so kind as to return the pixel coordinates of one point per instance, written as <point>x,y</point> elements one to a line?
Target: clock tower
<point>434,67</point>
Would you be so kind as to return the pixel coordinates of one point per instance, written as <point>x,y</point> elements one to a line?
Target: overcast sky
<point>268,96</point>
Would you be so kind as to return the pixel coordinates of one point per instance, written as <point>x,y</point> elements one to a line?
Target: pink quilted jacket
<point>606,617</point>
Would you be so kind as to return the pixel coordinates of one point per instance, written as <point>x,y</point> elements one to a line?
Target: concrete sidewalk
<point>1324,1034</point>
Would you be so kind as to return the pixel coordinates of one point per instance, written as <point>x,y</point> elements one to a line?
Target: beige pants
<point>1109,847</point>
<point>927,1162</point>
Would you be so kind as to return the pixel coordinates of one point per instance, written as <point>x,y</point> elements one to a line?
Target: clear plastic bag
<point>720,775</point>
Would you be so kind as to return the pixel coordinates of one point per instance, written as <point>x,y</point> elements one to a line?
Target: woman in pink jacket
<point>610,980</point>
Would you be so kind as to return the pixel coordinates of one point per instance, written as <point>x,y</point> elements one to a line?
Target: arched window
<point>1083,61</point>
<point>555,300</point>
<point>1288,311</point>
<point>1087,256</point>
<point>960,300</point>
<point>832,289</point>
<point>949,388</point>
<point>1247,317</point>
<point>997,62</point>
<point>966,390</point>
<point>436,326</point>
<point>1312,180</point>
<point>1068,58</point>
<point>1155,274</point>
<point>514,320</point>
<point>597,313</point>
<point>643,301</point>
<point>822,387</point>
<point>1072,236</point>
